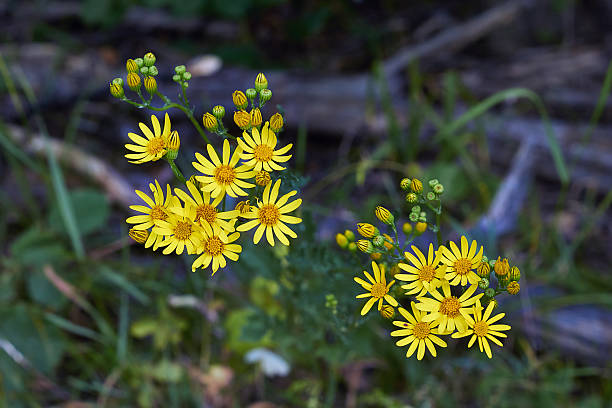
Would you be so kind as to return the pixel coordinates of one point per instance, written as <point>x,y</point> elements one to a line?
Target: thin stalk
<point>177,172</point>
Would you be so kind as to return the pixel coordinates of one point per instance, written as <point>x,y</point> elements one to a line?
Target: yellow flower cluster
<point>192,218</point>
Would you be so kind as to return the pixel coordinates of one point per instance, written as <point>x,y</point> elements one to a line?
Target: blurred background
<point>506,103</point>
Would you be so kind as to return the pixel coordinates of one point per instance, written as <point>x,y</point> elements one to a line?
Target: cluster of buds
<point>255,98</point>
<point>346,240</point>
<point>507,277</point>
<point>331,302</point>
<point>181,76</point>
<point>140,71</point>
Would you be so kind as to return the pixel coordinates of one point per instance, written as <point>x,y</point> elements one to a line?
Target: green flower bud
<point>483,284</point>
<point>187,76</point>
<point>219,112</point>
<point>139,62</point>
<point>149,59</point>
<point>261,82</point>
<point>384,215</point>
<point>365,246</point>
<point>176,78</point>
<point>352,247</point>
<point>350,235</point>
<point>251,93</point>
<point>342,241</point>
<point>411,198</point>
<point>484,259</point>
<point>379,241</point>
<point>431,196</point>
<point>133,81</point>
<point>276,122</point>
<point>265,95</point>
<point>414,217</point>
<point>515,274</point>
<point>116,90</point>
<point>144,70</point>
<point>180,69</point>
<point>150,84</point>
<point>153,71</point>
<point>438,189</point>
<point>407,228</point>
<point>416,209</point>
<point>118,81</point>
<point>489,292</point>
<point>433,182</point>
<point>405,184</point>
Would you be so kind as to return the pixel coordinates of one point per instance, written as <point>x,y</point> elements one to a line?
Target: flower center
<point>158,213</point>
<point>206,212</point>
<point>481,328</point>
<point>421,330</point>
<point>214,246</point>
<point>426,273</point>
<point>182,230</point>
<point>450,306</point>
<point>156,146</point>
<point>225,174</point>
<point>462,266</point>
<point>378,290</point>
<point>268,215</point>
<point>262,152</point>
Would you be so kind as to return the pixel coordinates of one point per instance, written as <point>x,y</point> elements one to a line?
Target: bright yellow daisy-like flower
<point>180,232</point>
<point>448,311</point>
<point>206,212</point>
<point>221,177</point>
<point>153,146</point>
<point>259,150</point>
<point>377,289</point>
<point>484,329</point>
<point>418,333</point>
<point>271,215</point>
<point>158,210</point>
<point>215,247</point>
<point>424,275</point>
<point>461,264</point>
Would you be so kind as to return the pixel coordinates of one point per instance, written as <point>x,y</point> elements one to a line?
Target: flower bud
<point>376,256</point>
<point>144,70</point>
<point>501,267</point>
<point>242,119</point>
<point>133,81</point>
<point>139,236</point>
<point>116,90</point>
<point>276,122</point>
<point>423,216</point>
<point>149,59</point>
<point>176,78</point>
<point>416,186</point>
<point>433,182</point>
<point>395,269</point>
<point>365,246</point>
<point>378,241</point>
<point>150,84</point>
<point>251,93</point>
<point>342,241</point>
<point>384,215</point>
<point>411,198</point>
<point>240,100</point>
<point>192,180</point>
<point>513,288</point>
<point>243,207</point>
<point>431,195</point>
<point>483,270</point>
<point>438,189</point>
<point>265,95</point>
<point>420,227</point>
<point>367,230</point>
<point>180,69</point>
<point>416,209</point>
<point>219,112</point>
<point>187,76</point>
<point>515,274</point>
<point>483,284</point>
<point>139,62</point>
<point>153,71</point>
<point>131,66</point>
<point>387,311</point>
<point>350,235</point>
<point>489,292</point>
<point>262,178</point>
<point>405,184</point>
<point>210,122</point>
<point>256,118</point>
<point>484,259</point>
<point>260,82</point>
<point>407,228</point>
<point>414,217</point>
<point>174,141</point>
<point>352,247</point>
<point>331,302</point>
<point>388,242</point>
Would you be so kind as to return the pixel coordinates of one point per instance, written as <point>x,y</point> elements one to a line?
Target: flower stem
<point>177,172</point>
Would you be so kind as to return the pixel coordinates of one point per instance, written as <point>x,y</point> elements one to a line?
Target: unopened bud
<point>150,84</point>
<point>388,242</point>
<point>367,230</point>
<point>416,186</point>
<point>489,292</point>
<point>438,189</point>
<point>243,207</point>
<point>180,69</point>
<point>131,66</point>
<point>352,247</point>
<point>420,227</point>
<point>144,70</point>
<point>187,76</point>
<point>350,235</point>
<point>411,198</point>
<point>276,122</point>
<point>405,184</point>
<point>139,236</point>
<point>378,241</point>
<point>260,82</point>
<point>483,284</point>
<point>116,90</point>
<point>265,95</point>
<point>515,274</point>
<point>149,59</point>
<point>133,81</point>
<point>407,228</point>
<point>242,119</point>
<point>176,77</point>
<point>139,62</point>
<point>513,288</point>
<point>174,141</point>
<point>365,246</point>
<point>210,122</point>
<point>433,182</point>
<point>240,100</point>
<point>501,267</point>
<point>251,93</point>
<point>219,112</point>
<point>384,215</point>
<point>431,195</point>
<point>387,311</point>
<point>342,241</point>
<point>262,178</point>
<point>483,269</point>
<point>256,118</point>
<point>376,256</point>
<point>153,71</point>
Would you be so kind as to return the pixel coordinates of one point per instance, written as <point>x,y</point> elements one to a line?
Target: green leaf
<point>90,209</point>
<point>36,247</point>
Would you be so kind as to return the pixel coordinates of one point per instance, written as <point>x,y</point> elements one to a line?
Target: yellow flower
<point>223,177</point>
<point>416,185</point>
<point>483,329</point>
<point>240,100</point>
<point>206,212</point>
<point>425,275</point>
<point>155,145</point>
<point>341,240</point>
<point>513,288</point>
<point>174,141</point>
<point>214,248</point>
<point>418,333</point>
<point>259,150</point>
<point>158,209</point>
<point>501,267</point>
<point>461,263</point>
<point>180,232</point>
<point>449,312</point>
<point>377,289</point>
<point>271,214</point>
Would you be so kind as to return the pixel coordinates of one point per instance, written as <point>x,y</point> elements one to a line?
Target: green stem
<point>439,231</point>
<point>177,172</point>
<point>169,104</point>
